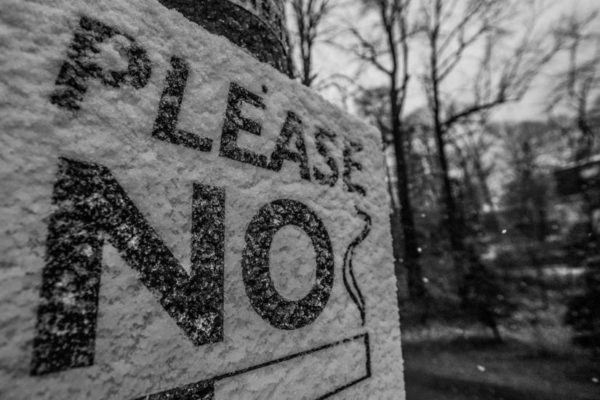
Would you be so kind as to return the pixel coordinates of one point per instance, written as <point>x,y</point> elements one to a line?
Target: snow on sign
<point>180,220</point>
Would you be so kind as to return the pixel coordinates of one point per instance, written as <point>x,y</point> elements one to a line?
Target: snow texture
<point>124,125</point>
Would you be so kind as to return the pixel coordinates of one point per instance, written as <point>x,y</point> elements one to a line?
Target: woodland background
<point>489,111</point>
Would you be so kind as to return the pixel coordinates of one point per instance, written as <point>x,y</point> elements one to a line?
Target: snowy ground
<point>444,366</point>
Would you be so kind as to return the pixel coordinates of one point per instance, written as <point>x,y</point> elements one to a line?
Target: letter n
<point>93,208</point>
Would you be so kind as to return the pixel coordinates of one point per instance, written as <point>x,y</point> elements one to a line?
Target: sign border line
<point>210,381</point>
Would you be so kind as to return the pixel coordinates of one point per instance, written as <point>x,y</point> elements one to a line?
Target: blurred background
<point>489,111</point>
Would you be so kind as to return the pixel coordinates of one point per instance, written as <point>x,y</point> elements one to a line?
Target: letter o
<point>266,301</point>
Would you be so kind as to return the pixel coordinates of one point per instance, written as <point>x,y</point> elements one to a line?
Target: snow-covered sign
<point>180,220</point>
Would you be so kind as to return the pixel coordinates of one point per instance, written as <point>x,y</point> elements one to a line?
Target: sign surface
<point>181,221</point>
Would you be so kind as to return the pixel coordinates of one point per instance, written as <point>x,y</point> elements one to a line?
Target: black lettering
<point>292,127</point>
<point>234,122</point>
<point>266,10</point>
<point>351,164</point>
<point>79,67</point>
<point>349,278</point>
<point>266,301</point>
<point>92,207</point>
<point>203,390</point>
<point>165,126</point>
<point>331,178</point>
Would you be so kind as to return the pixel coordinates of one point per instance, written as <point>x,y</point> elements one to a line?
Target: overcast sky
<point>330,61</point>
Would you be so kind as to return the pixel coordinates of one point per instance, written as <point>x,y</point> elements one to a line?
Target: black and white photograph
<point>300,199</point>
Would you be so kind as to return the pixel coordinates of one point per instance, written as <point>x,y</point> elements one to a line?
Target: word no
<point>92,208</point>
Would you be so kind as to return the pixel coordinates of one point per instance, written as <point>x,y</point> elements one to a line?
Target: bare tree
<point>308,16</point>
<point>476,27</point>
<point>574,93</point>
<point>471,143</point>
<point>387,50</point>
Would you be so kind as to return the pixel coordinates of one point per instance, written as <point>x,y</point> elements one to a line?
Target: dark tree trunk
<point>416,288</point>
<point>496,331</point>
<point>455,231</point>
<point>395,224</point>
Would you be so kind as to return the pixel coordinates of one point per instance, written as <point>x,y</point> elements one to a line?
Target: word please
<point>82,64</point>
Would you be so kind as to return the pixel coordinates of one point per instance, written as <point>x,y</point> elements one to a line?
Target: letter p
<point>84,63</point>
